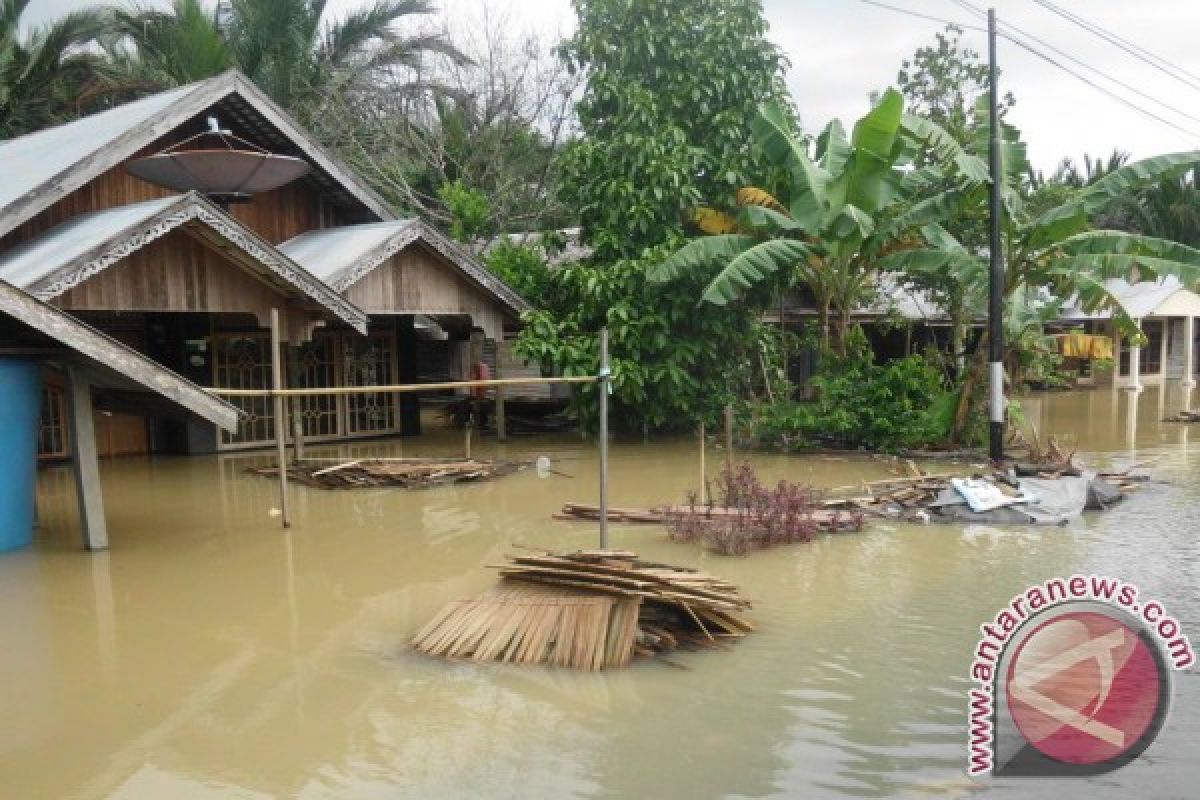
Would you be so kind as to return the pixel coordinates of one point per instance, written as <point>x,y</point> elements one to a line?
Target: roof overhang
<point>236,96</point>
<point>107,363</point>
<point>86,245</point>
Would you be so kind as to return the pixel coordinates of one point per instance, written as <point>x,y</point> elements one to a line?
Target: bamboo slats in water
<point>587,610</point>
<point>408,473</point>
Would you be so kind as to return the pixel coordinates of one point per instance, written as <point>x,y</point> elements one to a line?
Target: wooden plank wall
<point>174,273</point>
<point>417,281</point>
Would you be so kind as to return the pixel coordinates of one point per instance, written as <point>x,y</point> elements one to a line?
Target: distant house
<point>1165,311</point>
<point>189,279</point>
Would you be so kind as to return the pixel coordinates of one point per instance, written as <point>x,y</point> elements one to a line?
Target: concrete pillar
<point>1135,362</point>
<point>85,464</point>
<point>1163,352</point>
<point>1189,337</point>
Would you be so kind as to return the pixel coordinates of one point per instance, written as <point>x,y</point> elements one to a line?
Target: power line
<point>1128,87</point>
<point>929,17</point>
<point>1100,88</point>
<point>1140,53</point>
<point>1048,60</point>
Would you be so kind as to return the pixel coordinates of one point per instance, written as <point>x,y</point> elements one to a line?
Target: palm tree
<point>290,48</point>
<point>1170,210</point>
<point>857,200</point>
<point>44,73</point>
<point>1053,255</point>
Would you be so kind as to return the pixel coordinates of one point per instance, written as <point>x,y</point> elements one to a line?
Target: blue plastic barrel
<point>20,409</point>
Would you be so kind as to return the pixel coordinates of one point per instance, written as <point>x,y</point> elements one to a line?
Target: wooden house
<point>190,281</point>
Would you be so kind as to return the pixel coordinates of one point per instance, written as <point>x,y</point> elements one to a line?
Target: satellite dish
<point>216,163</point>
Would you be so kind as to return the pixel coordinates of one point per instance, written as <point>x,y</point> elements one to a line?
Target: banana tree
<point>1052,255</point>
<point>853,200</point>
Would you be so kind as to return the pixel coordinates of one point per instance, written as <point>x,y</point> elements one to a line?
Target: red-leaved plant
<point>748,515</point>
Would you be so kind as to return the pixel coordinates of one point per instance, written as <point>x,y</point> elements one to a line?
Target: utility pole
<point>996,272</point>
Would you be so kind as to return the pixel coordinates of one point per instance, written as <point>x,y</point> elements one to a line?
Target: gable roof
<point>29,323</point>
<point>1163,297</point>
<point>87,244</point>
<point>42,167</point>
<point>342,256</point>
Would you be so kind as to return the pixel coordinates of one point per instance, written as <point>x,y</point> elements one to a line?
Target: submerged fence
<point>278,393</point>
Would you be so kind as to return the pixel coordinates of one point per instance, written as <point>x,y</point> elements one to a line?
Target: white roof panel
<point>32,261</point>
<point>29,160</point>
<point>332,252</point>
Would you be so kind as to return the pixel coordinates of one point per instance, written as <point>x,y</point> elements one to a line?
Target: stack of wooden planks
<point>588,610</point>
<point>407,473</point>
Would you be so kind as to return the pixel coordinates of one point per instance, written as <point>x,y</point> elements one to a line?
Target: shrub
<point>761,517</point>
<point>891,406</point>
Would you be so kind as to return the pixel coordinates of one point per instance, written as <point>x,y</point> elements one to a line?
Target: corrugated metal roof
<point>33,261</point>
<point>1140,300</point>
<point>32,159</point>
<point>85,245</point>
<point>42,167</point>
<point>342,256</point>
<point>333,252</point>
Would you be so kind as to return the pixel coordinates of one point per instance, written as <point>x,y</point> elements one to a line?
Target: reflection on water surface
<point>210,655</point>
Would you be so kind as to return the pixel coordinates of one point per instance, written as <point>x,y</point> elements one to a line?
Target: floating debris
<point>406,473</point>
<point>1024,493</point>
<point>745,515</point>
<point>590,610</point>
<point>1184,416</point>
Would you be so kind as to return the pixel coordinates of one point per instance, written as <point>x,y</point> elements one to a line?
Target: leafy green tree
<point>1053,255</point>
<point>469,210</point>
<point>849,203</point>
<point>44,73</point>
<point>943,81</point>
<point>672,364</point>
<point>671,87</point>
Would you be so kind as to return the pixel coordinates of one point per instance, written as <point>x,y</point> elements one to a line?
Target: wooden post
<point>602,387</point>
<point>279,421</point>
<point>729,439</point>
<point>703,471</point>
<point>297,434</point>
<point>501,418</point>
<point>86,464</point>
<point>467,432</point>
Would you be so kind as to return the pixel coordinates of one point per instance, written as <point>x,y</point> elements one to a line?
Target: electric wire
<point>1138,52</point>
<point>1047,45</point>
<point>1048,59</point>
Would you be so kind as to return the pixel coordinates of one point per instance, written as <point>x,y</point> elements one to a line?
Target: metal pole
<point>279,421</point>
<point>603,385</point>
<point>996,273</point>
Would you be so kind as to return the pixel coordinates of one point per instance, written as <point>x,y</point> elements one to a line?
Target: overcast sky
<point>841,50</point>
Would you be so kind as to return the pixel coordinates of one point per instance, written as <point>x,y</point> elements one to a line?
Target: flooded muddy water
<point>208,654</point>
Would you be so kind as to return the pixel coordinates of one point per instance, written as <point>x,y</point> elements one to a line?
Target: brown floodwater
<point>208,654</point>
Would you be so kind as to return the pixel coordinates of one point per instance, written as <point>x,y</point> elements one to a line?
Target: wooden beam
<point>110,355</point>
<point>85,463</point>
<point>279,419</point>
